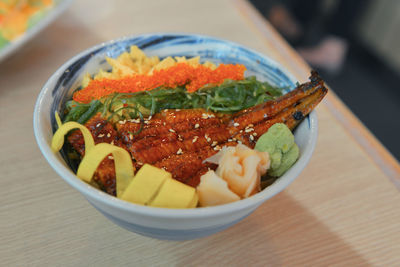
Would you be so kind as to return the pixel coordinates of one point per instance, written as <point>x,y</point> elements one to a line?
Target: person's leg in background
<point>330,53</point>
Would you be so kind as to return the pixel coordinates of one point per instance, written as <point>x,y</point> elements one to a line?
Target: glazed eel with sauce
<point>180,140</point>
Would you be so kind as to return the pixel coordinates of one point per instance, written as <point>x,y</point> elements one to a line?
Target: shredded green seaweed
<point>229,97</point>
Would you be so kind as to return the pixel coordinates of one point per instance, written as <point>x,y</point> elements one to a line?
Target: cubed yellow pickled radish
<point>145,185</point>
<point>194,202</point>
<point>174,194</point>
<point>58,139</point>
<point>151,185</point>
<point>124,170</point>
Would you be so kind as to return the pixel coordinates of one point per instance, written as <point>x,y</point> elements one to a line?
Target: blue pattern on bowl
<point>218,51</point>
<point>163,45</point>
<point>131,216</point>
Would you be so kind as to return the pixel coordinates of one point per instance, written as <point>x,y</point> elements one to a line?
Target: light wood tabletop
<point>344,208</point>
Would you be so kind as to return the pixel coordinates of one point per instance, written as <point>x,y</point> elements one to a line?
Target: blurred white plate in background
<point>51,15</point>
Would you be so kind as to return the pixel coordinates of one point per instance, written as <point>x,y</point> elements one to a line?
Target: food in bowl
<point>17,16</point>
<point>154,128</point>
<point>162,223</point>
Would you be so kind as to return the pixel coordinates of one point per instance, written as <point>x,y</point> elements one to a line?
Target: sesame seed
<point>214,143</point>
<point>177,109</point>
<point>180,138</point>
<point>207,116</point>
<point>130,136</point>
<point>241,131</point>
<point>249,130</point>
<point>108,135</point>
<point>140,163</point>
<point>239,142</point>
<point>112,142</point>
<point>251,137</point>
<point>250,125</point>
<point>255,134</point>
<point>230,140</point>
<point>171,130</point>
<point>164,123</point>
<point>236,124</point>
<point>196,125</point>
<point>100,135</point>
<point>146,122</point>
<point>98,125</point>
<point>122,122</point>
<point>195,139</point>
<point>217,148</point>
<point>149,118</point>
<point>234,139</point>
<point>110,157</point>
<point>179,152</point>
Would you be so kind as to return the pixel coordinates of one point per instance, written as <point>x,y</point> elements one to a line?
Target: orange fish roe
<point>180,74</point>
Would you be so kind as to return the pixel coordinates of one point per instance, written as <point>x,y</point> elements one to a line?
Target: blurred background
<point>355,45</point>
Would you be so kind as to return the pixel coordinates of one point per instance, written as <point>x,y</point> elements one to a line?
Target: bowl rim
<point>111,201</point>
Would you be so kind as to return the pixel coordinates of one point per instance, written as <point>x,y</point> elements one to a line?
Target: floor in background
<point>372,91</point>
<point>369,88</point>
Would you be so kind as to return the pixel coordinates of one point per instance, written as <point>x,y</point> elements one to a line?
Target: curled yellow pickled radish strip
<point>58,119</point>
<point>124,170</point>
<point>58,139</point>
<point>172,194</point>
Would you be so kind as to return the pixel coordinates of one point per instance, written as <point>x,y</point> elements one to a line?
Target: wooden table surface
<point>344,209</point>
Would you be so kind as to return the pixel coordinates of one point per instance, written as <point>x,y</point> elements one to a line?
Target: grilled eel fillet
<point>180,140</point>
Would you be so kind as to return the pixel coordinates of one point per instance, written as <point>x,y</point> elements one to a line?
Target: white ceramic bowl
<point>174,224</point>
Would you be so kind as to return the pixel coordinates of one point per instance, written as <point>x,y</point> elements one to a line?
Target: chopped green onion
<point>229,97</point>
